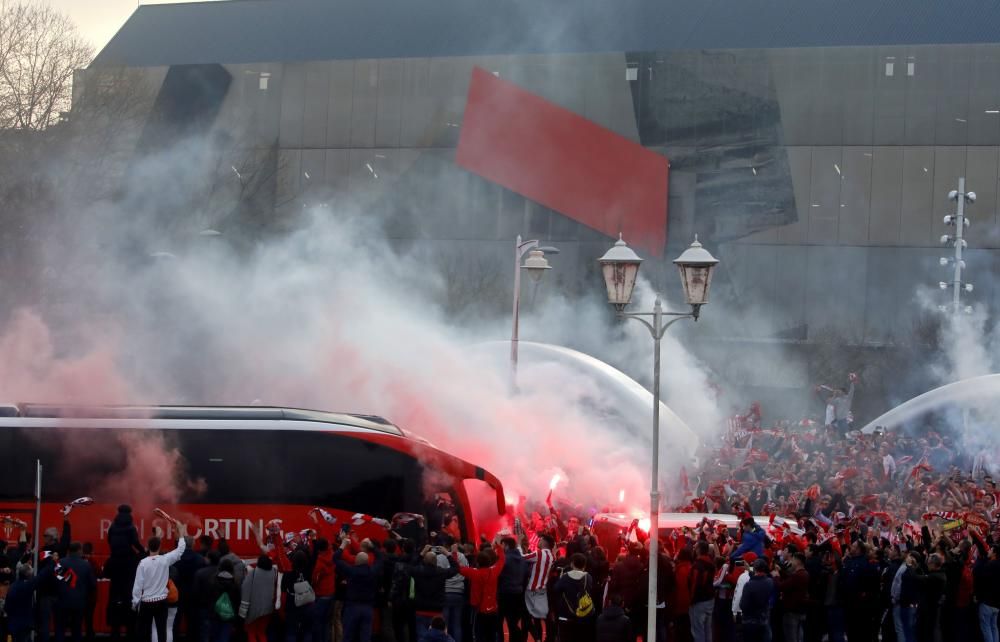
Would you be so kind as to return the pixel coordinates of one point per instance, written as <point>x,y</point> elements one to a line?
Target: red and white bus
<point>235,467</point>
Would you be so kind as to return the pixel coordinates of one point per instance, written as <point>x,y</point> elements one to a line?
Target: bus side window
<point>234,466</point>
<point>348,473</point>
<point>17,474</point>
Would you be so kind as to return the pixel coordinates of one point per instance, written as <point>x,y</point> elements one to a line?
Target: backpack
<point>303,591</point>
<point>224,608</point>
<point>173,596</point>
<point>584,606</point>
<point>401,587</point>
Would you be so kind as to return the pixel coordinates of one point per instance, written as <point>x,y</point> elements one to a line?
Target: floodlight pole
<point>956,286</point>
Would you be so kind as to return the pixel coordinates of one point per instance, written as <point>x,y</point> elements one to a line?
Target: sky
<point>98,20</point>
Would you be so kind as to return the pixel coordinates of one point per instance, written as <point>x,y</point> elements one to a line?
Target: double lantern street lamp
<point>620,266</point>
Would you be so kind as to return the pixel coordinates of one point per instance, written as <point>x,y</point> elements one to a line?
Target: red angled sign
<point>564,161</point>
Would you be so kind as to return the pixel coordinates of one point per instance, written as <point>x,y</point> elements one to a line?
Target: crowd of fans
<point>864,536</point>
<point>841,536</point>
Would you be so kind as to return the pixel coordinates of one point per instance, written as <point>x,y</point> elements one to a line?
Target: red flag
<point>921,466</point>
<point>975,519</point>
<point>943,514</point>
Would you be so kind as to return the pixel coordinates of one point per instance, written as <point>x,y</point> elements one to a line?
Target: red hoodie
<point>483,583</point>
<point>324,577</point>
<point>682,592</point>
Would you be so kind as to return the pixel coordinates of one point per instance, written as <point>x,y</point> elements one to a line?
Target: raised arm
<point>174,555</point>
<point>67,537</point>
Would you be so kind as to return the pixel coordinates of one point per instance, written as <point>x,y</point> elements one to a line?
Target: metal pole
<point>517,307</point>
<point>959,228</point>
<point>654,489</point>
<point>38,510</point>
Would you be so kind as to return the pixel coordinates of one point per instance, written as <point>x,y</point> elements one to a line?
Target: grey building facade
<point>811,146</point>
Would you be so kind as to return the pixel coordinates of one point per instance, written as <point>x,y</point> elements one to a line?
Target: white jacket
<point>738,593</point>
<point>152,575</point>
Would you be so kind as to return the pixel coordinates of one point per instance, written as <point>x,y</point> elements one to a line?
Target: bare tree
<point>40,49</point>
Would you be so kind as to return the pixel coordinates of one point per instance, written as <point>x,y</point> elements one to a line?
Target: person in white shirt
<point>888,463</point>
<point>741,581</point>
<point>149,592</point>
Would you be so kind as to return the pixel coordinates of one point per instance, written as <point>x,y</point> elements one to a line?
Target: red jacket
<point>278,555</point>
<point>483,583</point>
<point>682,594</point>
<point>324,577</point>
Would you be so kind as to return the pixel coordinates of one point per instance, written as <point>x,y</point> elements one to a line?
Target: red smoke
<point>31,368</point>
<point>143,470</point>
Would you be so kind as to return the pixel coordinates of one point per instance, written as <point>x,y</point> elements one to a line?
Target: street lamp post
<point>536,264</point>
<point>620,266</point>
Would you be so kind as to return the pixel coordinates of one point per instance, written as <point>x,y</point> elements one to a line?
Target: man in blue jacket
<point>362,583</point>
<point>510,590</point>
<point>755,604</point>
<point>76,583</point>
<point>19,603</point>
<point>752,541</point>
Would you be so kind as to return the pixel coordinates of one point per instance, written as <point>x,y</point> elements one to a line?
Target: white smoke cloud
<point>331,316</point>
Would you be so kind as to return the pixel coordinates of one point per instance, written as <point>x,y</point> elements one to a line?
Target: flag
<point>82,501</point>
<point>943,514</point>
<point>327,517</point>
<point>922,465</point>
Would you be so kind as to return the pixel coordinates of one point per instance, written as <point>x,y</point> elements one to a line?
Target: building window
<point>889,68</point>
<point>265,77</point>
<point>632,72</point>
<point>911,67</point>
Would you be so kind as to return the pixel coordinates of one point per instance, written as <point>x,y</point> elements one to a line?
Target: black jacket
<point>567,593</point>
<point>50,586</point>
<point>986,582</point>
<point>512,577</point>
<point>20,602</point>
<point>817,579</point>
<point>909,588</point>
<point>362,580</point>
<point>666,579</point>
<point>887,576</point>
<point>76,581</point>
<point>185,568</point>
<point>626,580</point>
<point>123,538</point>
<point>204,587</point>
<point>614,626</point>
<point>756,601</point>
<point>428,585</point>
<point>857,582</point>
<point>932,588</point>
